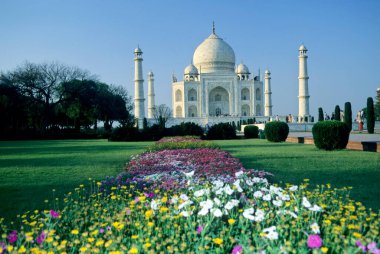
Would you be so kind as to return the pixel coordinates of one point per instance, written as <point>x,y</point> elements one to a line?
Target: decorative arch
<point>245,94</point>
<point>192,112</point>
<point>192,95</point>
<point>219,102</point>
<point>258,94</point>
<point>258,110</point>
<point>245,110</point>
<point>178,111</point>
<point>178,95</point>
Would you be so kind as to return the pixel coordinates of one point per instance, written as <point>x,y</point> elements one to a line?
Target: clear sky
<point>343,38</point>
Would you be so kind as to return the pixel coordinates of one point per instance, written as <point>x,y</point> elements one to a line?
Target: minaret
<point>139,88</point>
<point>303,89</point>
<point>151,104</point>
<point>268,94</point>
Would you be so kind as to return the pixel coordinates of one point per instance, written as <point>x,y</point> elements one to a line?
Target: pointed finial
<point>213,27</point>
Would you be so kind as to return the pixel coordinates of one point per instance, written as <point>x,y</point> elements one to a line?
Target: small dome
<point>302,48</point>
<point>214,55</point>
<point>150,74</point>
<point>138,50</point>
<point>267,72</point>
<point>191,70</point>
<point>242,69</point>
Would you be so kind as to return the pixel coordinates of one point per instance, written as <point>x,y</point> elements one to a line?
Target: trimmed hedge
<point>276,131</point>
<point>251,131</point>
<point>331,135</point>
<point>221,131</point>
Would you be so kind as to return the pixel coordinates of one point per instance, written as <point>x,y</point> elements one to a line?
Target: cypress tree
<point>320,114</point>
<point>348,115</point>
<point>145,124</point>
<point>337,113</point>
<point>370,116</point>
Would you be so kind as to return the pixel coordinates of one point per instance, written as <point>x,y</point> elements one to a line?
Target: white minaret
<point>139,88</point>
<point>303,89</point>
<point>268,94</point>
<point>151,104</point>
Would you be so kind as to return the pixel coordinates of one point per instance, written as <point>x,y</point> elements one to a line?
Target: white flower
<point>237,185</point>
<point>277,202</point>
<point>257,194</point>
<point>218,184</point>
<point>206,204</point>
<point>248,214</point>
<point>217,201</point>
<point>154,205</point>
<point>217,212</point>
<point>267,197</point>
<point>284,197</point>
<point>271,233</point>
<point>219,191</point>
<point>275,190</point>
<point>315,228</point>
<point>189,174</point>
<point>292,214</point>
<point>200,193</point>
<point>186,213</point>
<point>293,188</point>
<point>186,203</point>
<point>249,182</point>
<point>174,200</point>
<point>305,202</point>
<point>256,179</point>
<point>203,211</point>
<point>228,190</point>
<point>184,197</point>
<point>259,215</point>
<point>238,174</point>
<point>315,208</point>
<point>231,204</point>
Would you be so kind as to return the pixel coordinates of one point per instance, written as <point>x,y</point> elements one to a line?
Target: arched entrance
<point>245,110</point>
<point>218,102</point>
<point>192,112</point>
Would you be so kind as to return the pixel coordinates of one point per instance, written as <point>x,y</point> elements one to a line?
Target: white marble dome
<point>302,48</point>
<point>242,69</point>
<point>214,55</point>
<point>191,70</point>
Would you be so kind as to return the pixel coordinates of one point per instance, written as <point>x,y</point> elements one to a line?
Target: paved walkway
<point>353,137</point>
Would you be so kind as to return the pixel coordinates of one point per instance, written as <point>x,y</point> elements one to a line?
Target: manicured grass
<point>291,163</point>
<point>30,170</point>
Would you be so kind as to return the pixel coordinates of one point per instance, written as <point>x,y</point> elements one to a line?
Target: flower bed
<point>229,211</point>
<point>185,142</point>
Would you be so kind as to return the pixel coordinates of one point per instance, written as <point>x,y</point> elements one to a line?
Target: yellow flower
<point>118,225</point>
<point>133,250</point>
<point>115,252</point>
<point>74,231</point>
<point>83,249</point>
<point>135,236</point>
<point>9,248</point>
<point>147,245</point>
<point>324,249</point>
<point>22,249</point>
<point>49,239</point>
<point>149,213</point>
<point>99,243</point>
<point>356,235</point>
<point>150,224</point>
<point>91,239</point>
<point>108,243</point>
<point>113,197</point>
<point>218,241</point>
<point>231,221</point>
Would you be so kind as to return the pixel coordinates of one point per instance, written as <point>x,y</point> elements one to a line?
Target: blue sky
<point>343,38</point>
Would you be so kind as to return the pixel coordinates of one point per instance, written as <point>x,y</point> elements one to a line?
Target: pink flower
<point>199,229</point>
<point>41,238</point>
<point>54,214</point>
<point>314,241</point>
<point>12,237</point>
<point>237,249</point>
<point>361,246</point>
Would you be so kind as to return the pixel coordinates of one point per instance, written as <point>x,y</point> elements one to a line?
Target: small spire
<point>213,27</point>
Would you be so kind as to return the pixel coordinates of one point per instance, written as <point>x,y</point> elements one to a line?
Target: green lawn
<point>291,163</point>
<point>29,170</point>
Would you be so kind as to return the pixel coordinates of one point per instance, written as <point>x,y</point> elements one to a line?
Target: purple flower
<point>372,248</point>
<point>54,214</point>
<point>238,249</point>
<point>199,229</point>
<point>108,228</point>
<point>314,241</point>
<point>101,231</point>
<point>149,195</point>
<point>137,200</point>
<point>3,246</point>
<point>361,246</point>
<point>41,238</point>
<point>128,211</point>
<point>12,237</point>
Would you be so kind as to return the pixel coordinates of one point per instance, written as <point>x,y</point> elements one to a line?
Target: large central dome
<point>214,55</point>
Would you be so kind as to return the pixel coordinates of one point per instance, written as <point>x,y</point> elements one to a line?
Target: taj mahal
<point>214,89</point>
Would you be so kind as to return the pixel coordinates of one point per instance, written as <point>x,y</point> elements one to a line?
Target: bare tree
<point>161,114</point>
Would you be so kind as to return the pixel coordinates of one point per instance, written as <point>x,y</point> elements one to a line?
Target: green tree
<point>370,115</point>
<point>348,115</point>
<point>320,114</point>
<point>337,113</point>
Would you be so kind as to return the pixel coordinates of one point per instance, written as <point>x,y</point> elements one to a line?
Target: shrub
<point>330,135</point>
<point>370,116</point>
<point>125,133</point>
<point>320,114</point>
<point>348,115</point>
<point>337,113</point>
<point>185,129</point>
<point>221,131</point>
<point>251,131</point>
<point>276,131</point>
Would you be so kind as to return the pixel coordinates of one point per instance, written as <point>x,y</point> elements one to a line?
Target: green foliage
<point>182,145</point>
<point>238,126</point>
<point>348,115</point>
<point>331,135</point>
<point>320,115</point>
<point>276,131</point>
<point>221,131</point>
<point>185,129</point>
<point>337,113</point>
<point>370,115</point>
<point>251,131</point>
<point>145,124</point>
<point>125,133</point>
